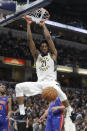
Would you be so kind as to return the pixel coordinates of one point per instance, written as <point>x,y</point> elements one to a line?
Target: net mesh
<point>38,15</point>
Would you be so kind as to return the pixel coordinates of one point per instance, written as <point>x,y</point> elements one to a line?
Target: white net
<point>38,15</point>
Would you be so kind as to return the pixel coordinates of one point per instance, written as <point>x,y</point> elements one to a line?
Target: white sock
<point>69,110</point>
<point>22,109</point>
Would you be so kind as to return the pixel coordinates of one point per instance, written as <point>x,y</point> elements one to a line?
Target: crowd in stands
<point>78,100</point>
<point>13,47</point>
<point>18,48</point>
<point>71,57</point>
<point>36,106</point>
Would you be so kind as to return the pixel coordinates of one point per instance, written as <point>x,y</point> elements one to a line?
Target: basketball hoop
<point>39,15</point>
<point>11,14</point>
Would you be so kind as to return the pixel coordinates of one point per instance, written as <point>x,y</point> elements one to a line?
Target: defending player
<point>55,117</point>
<point>5,109</point>
<point>45,61</point>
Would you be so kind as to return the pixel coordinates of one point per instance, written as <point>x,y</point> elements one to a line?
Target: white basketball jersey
<point>45,68</point>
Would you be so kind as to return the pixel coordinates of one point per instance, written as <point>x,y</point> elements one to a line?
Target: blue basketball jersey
<point>55,118</point>
<point>3,108</point>
<point>3,114</point>
<point>57,102</point>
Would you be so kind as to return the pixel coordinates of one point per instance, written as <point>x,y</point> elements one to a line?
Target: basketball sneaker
<point>20,118</point>
<point>73,116</point>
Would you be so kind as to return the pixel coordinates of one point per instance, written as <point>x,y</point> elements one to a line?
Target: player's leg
<point>69,125</point>
<point>65,102</point>
<point>27,89</point>
<point>20,97</point>
<point>20,101</point>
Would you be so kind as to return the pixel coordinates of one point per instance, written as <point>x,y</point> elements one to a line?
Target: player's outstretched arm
<point>49,40</point>
<point>58,108</point>
<point>9,108</point>
<point>32,46</point>
<point>42,118</point>
<point>9,104</point>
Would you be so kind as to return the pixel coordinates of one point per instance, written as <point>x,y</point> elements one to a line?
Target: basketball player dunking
<point>5,109</point>
<point>45,60</point>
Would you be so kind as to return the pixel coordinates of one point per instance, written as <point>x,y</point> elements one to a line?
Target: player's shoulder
<point>58,100</point>
<point>53,57</point>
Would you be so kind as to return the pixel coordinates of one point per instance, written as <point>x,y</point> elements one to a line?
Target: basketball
<point>49,94</point>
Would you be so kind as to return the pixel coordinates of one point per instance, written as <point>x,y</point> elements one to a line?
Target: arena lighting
<point>64,69</point>
<point>13,64</point>
<point>82,71</point>
<point>64,26</point>
<point>14,61</point>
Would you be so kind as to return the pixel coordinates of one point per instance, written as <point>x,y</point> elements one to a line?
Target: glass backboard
<point>11,10</point>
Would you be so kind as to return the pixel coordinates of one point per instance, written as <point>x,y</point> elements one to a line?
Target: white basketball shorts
<point>34,88</point>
